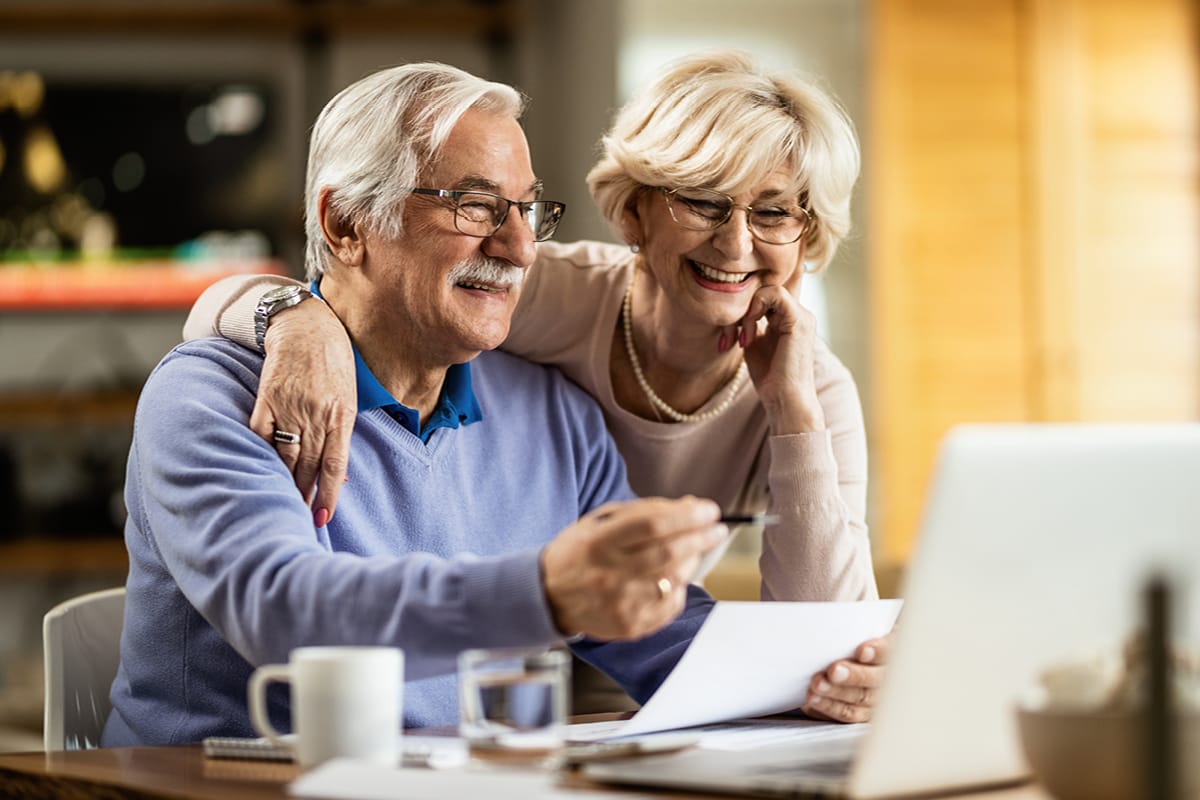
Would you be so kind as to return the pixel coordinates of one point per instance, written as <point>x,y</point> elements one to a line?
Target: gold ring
<point>664,587</point>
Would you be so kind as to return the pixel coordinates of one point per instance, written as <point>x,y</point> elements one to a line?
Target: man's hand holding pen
<point>621,572</point>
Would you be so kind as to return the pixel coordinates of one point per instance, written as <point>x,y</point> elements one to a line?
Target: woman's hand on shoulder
<point>308,388</point>
<point>778,336</point>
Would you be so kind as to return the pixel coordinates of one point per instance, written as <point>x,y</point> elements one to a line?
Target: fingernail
<point>816,700</point>
<point>321,517</point>
<point>722,344</point>
<point>839,674</point>
<point>823,687</point>
<point>868,655</point>
<point>718,532</point>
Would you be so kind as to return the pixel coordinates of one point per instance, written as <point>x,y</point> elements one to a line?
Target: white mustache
<point>492,271</point>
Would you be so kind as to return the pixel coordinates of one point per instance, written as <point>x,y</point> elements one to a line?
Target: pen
<point>761,518</point>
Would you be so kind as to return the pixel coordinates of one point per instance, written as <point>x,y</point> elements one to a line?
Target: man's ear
<point>342,235</point>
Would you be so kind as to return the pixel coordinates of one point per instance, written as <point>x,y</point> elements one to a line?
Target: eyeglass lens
<point>704,210</point>
<point>482,214</point>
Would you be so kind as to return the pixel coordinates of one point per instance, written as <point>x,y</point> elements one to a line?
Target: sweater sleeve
<point>215,514</point>
<point>226,308</point>
<point>640,666</point>
<point>818,485</point>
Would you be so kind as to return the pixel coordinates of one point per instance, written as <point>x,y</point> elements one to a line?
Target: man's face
<point>447,291</point>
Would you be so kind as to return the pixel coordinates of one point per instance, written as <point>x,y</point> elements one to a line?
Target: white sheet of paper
<point>751,659</point>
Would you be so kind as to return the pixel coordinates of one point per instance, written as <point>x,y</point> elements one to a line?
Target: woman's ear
<point>342,235</point>
<point>631,224</point>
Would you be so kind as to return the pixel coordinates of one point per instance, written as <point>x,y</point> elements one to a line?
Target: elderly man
<point>486,505</point>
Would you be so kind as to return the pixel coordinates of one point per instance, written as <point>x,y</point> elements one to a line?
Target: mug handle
<point>262,677</point>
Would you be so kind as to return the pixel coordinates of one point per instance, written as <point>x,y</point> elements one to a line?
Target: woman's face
<point>713,274</point>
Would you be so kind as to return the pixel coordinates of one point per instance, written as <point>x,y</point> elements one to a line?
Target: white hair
<point>376,137</point>
<point>719,121</point>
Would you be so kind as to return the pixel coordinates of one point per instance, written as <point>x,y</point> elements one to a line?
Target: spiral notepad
<point>252,749</point>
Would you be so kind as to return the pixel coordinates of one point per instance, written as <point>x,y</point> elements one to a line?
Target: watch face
<point>280,293</point>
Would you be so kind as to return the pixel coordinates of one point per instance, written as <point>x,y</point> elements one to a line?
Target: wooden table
<point>141,773</point>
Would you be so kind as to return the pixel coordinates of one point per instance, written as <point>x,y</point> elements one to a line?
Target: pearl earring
<point>633,248</point>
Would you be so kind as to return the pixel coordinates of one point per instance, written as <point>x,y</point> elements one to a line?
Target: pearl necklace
<point>657,402</point>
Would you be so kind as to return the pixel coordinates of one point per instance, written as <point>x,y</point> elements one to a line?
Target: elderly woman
<point>728,184</point>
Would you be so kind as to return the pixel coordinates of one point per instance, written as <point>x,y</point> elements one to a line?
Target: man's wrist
<point>569,638</point>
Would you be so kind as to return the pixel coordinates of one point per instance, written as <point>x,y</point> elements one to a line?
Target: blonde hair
<point>373,140</point>
<point>719,121</point>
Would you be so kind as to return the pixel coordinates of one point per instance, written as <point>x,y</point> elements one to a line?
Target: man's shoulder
<point>213,348</point>
<point>202,366</point>
<point>513,380</point>
<point>513,373</point>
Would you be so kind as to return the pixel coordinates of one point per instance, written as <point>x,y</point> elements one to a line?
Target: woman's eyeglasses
<point>706,210</point>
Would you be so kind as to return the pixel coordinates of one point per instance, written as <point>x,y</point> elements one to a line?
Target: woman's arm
<point>818,454</point>
<point>307,385</point>
<point>818,485</point>
<point>226,308</point>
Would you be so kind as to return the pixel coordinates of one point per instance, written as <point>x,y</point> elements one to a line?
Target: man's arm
<point>640,666</point>
<point>213,505</point>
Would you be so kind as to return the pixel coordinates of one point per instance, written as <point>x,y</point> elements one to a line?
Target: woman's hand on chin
<point>777,335</point>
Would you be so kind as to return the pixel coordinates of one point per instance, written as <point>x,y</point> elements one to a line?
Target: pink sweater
<point>816,482</point>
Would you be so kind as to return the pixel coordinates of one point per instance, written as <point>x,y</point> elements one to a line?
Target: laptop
<point>1035,545</point>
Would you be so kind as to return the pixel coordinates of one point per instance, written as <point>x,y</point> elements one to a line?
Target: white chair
<point>81,638</point>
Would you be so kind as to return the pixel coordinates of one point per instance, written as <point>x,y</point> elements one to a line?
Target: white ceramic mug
<point>346,702</point>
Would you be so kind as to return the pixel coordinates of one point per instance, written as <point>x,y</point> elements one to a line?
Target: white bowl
<point>1100,755</point>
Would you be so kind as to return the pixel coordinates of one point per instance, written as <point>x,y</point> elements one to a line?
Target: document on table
<point>751,659</point>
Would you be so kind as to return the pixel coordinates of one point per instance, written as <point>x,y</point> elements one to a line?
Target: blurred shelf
<point>145,285</point>
<point>41,557</point>
<point>25,409</point>
<point>267,18</point>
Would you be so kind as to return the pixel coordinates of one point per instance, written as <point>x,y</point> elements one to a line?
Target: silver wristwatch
<point>272,303</point>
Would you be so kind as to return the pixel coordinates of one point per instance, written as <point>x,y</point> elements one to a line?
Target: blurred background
<point>1026,240</point>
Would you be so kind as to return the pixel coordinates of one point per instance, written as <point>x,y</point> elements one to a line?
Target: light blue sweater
<point>434,548</point>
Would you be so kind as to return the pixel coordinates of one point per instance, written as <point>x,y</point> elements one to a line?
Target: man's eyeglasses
<point>706,210</point>
<point>482,213</point>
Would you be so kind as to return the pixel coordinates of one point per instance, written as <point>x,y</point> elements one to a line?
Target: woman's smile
<point>719,280</point>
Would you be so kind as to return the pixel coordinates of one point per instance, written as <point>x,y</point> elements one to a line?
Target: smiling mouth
<point>717,276</point>
<point>483,287</point>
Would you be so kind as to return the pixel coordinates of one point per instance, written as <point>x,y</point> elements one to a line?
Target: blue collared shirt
<point>456,404</point>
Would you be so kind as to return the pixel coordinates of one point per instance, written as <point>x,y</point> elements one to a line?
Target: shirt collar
<point>457,404</point>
